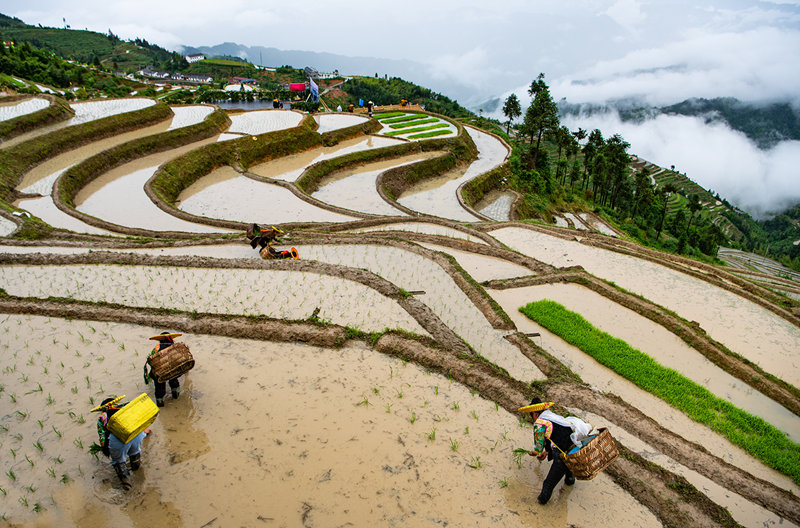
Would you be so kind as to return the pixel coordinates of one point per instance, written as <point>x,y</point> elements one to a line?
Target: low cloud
<point>761,182</point>
<point>754,65</point>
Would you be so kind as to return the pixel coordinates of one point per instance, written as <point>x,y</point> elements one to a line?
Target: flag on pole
<point>314,90</point>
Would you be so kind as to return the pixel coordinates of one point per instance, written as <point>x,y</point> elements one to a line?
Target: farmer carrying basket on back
<point>568,442</point>
<point>167,362</point>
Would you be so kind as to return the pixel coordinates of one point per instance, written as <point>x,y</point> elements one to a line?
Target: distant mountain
<point>766,124</point>
<point>415,72</point>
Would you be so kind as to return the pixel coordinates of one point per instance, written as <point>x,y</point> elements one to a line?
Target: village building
<point>195,58</point>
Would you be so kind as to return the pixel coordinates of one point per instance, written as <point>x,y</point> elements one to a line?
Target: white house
<point>195,58</point>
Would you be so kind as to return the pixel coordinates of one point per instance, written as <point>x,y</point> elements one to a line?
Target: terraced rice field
<point>374,380</point>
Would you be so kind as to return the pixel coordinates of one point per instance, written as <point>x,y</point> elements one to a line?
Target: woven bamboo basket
<point>133,418</point>
<point>173,361</point>
<point>594,457</point>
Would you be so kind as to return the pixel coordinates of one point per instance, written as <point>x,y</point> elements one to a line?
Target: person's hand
<point>106,450</point>
<point>542,455</point>
<point>531,453</point>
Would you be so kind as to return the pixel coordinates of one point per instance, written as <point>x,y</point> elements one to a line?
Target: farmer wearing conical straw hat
<point>549,428</point>
<point>165,339</point>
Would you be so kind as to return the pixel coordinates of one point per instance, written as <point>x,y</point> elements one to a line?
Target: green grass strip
<point>433,133</point>
<point>410,117</point>
<point>417,122</point>
<point>753,434</point>
<point>388,114</point>
<point>418,129</point>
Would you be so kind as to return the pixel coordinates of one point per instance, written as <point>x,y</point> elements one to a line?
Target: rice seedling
<point>23,414</point>
<point>50,400</point>
<point>466,430</point>
<point>51,472</point>
<point>23,501</point>
<point>13,452</point>
<point>38,507</point>
<point>41,424</point>
<point>78,443</point>
<point>399,393</point>
<point>12,397</point>
<point>3,491</point>
<point>58,459</point>
<point>10,473</point>
<point>432,434</point>
<point>29,460</point>
<point>38,445</point>
<point>65,478</point>
<point>56,431</point>
<point>503,483</point>
<point>436,390</point>
<point>752,433</point>
<point>364,402</point>
<point>413,417</point>
<point>474,414</point>
<point>476,462</point>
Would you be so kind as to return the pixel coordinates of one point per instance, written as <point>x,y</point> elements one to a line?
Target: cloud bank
<point>761,182</point>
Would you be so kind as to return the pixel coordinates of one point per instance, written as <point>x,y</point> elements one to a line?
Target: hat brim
<point>159,337</point>
<point>537,407</point>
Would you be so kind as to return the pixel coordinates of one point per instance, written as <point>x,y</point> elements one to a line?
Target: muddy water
<point>438,196</point>
<point>227,195</point>
<point>85,112</point>
<point>746,513</point>
<point>496,205</point>
<point>742,326</point>
<point>263,121</point>
<point>289,168</point>
<point>118,196</point>
<point>421,227</point>
<point>21,108</point>
<point>68,159</point>
<point>608,381</point>
<point>45,209</point>
<point>253,439</point>
<point>481,267</point>
<point>664,347</point>
<point>291,295</point>
<point>6,226</point>
<point>335,122</point>
<point>355,188</point>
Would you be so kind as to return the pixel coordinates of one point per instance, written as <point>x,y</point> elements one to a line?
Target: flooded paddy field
<point>303,410</point>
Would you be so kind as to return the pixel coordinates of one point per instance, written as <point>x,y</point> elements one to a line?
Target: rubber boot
<point>176,393</point>
<point>544,496</point>
<point>160,402</point>
<point>569,479</point>
<point>122,473</point>
<point>136,461</point>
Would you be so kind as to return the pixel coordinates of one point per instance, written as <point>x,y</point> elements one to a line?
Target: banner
<point>297,87</point>
<point>314,90</point>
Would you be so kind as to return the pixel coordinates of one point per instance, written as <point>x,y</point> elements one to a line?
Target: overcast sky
<point>589,50</point>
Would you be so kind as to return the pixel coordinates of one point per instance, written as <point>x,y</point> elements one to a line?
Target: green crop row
<point>462,147</point>
<point>751,433</point>
<point>388,114</point>
<point>416,122</point>
<point>418,129</point>
<point>433,133</point>
<point>404,119</point>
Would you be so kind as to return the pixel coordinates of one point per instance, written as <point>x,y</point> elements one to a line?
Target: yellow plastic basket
<point>133,418</point>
